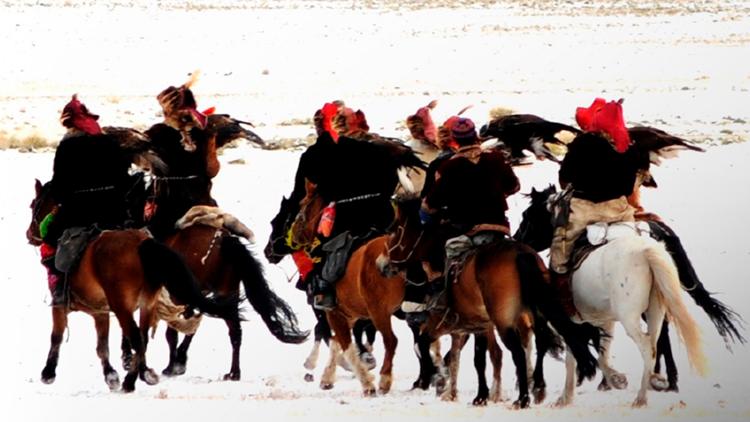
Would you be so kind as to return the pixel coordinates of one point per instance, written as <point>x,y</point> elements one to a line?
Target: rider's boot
<point>324,297</point>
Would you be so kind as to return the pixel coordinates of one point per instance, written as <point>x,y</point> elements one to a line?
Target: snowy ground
<point>682,67</point>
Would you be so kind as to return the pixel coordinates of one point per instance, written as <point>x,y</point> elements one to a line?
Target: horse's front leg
<point>664,348</point>
<point>172,369</point>
<point>101,322</point>
<point>235,338</point>
<point>59,322</point>
<point>457,343</point>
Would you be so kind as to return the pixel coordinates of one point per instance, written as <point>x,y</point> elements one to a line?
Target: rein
<point>398,245</point>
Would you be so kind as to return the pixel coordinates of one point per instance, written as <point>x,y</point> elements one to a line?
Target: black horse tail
<point>164,267</point>
<point>539,294</point>
<point>726,321</point>
<point>275,312</point>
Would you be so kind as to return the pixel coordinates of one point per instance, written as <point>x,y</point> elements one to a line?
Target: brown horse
<point>121,271</point>
<point>499,286</point>
<point>363,292</point>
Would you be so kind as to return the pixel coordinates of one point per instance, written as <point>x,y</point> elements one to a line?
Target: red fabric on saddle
<point>325,226</point>
<point>605,117</point>
<point>303,262</point>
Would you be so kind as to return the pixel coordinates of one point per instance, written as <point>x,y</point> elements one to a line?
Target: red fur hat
<point>75,115</point>
<point>605,117</point>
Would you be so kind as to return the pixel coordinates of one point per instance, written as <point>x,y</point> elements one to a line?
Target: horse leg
<point>457,343</point>
<point>664,348</point>
<point>496,357</point>
<point>512,341</point>
<point>172,337</point>
<point>480,364</point>
<point>610,377</point>
<point>146,374</point>
<point>542,338</point>
<point>127,353</point>
<point>382,322</point>
<point>101,321</point>
<point>329,373</point>
<point>59,322</point>
<point>646,344</point>
<point>570,379</point>
<point>426,365</point>
<point>343,336</point>
<point>235,338</point>
<point>131,331</point>
<point>363,328</point>
<point>322,333</point>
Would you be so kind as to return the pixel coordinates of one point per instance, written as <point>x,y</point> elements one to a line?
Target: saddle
<point>71,245</point>
<point>599,234</point>
<point>338,250</point>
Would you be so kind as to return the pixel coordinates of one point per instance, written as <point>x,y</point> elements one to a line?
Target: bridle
<point>398,245</point>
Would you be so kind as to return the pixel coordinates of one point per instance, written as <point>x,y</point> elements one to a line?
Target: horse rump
<point>164,267</point>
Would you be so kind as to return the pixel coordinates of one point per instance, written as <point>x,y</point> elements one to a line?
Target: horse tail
<point>275,312</point>
<point>667,283</point>
<point>164,267</point>
<point>538,293</point>
<point>724,318</point>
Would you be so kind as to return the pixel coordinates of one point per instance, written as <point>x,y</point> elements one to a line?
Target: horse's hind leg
<point>646,344</point>
<point>610,377</point>
<point>496,357</point>
<point>133,334</point>
<point>59,322</point>
<point>480,364</point>
<point>664,348</point>
<point>512,341</point>
<point>235,337</point>
<point>101,322</point>
<point>127,353</point>
<point>146,374</point>
<point>173,367</point>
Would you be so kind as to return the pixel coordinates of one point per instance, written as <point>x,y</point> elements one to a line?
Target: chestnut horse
<point>275,250</point>
<point>499,286</point>
<point>121,271</point>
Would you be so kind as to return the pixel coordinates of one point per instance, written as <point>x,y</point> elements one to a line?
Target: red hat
<point>75,115</point>
<point>605,117</point>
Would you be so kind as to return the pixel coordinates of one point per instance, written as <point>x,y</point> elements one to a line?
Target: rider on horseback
<point>468,199</point>
<point>89,184</point>
<point>598,173</point>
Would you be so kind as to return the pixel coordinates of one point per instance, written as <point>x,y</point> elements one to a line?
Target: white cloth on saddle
<point>598,233</point>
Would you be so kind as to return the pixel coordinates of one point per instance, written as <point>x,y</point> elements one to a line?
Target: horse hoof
<point>604,385</point>
<point>640,402</point>
<point>658,382</point>
<point>232,376</point>
<point>309,377</point>
<point>479,401</point>
<point>619,381</point>
<point>540,395</point>
<point>369,392</point>
<point>113,381</point>
<point>326,386</point>
<point>173,370</point>
<point>562,402</point>
<point>48,376</point>
<point>522,403</point>
<point>149,377</point>
<point>420,385</point>
<point>449,396</point>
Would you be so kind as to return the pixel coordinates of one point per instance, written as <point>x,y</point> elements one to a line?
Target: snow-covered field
<point>682,66</point>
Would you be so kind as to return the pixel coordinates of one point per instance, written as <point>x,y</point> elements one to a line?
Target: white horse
<point>629,276</point>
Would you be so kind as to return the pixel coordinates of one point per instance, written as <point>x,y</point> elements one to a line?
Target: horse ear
<point>37,186</point>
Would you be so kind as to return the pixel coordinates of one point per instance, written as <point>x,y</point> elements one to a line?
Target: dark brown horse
<point>121,271</point>
<point>498,287</point>
<point>218,258</point>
